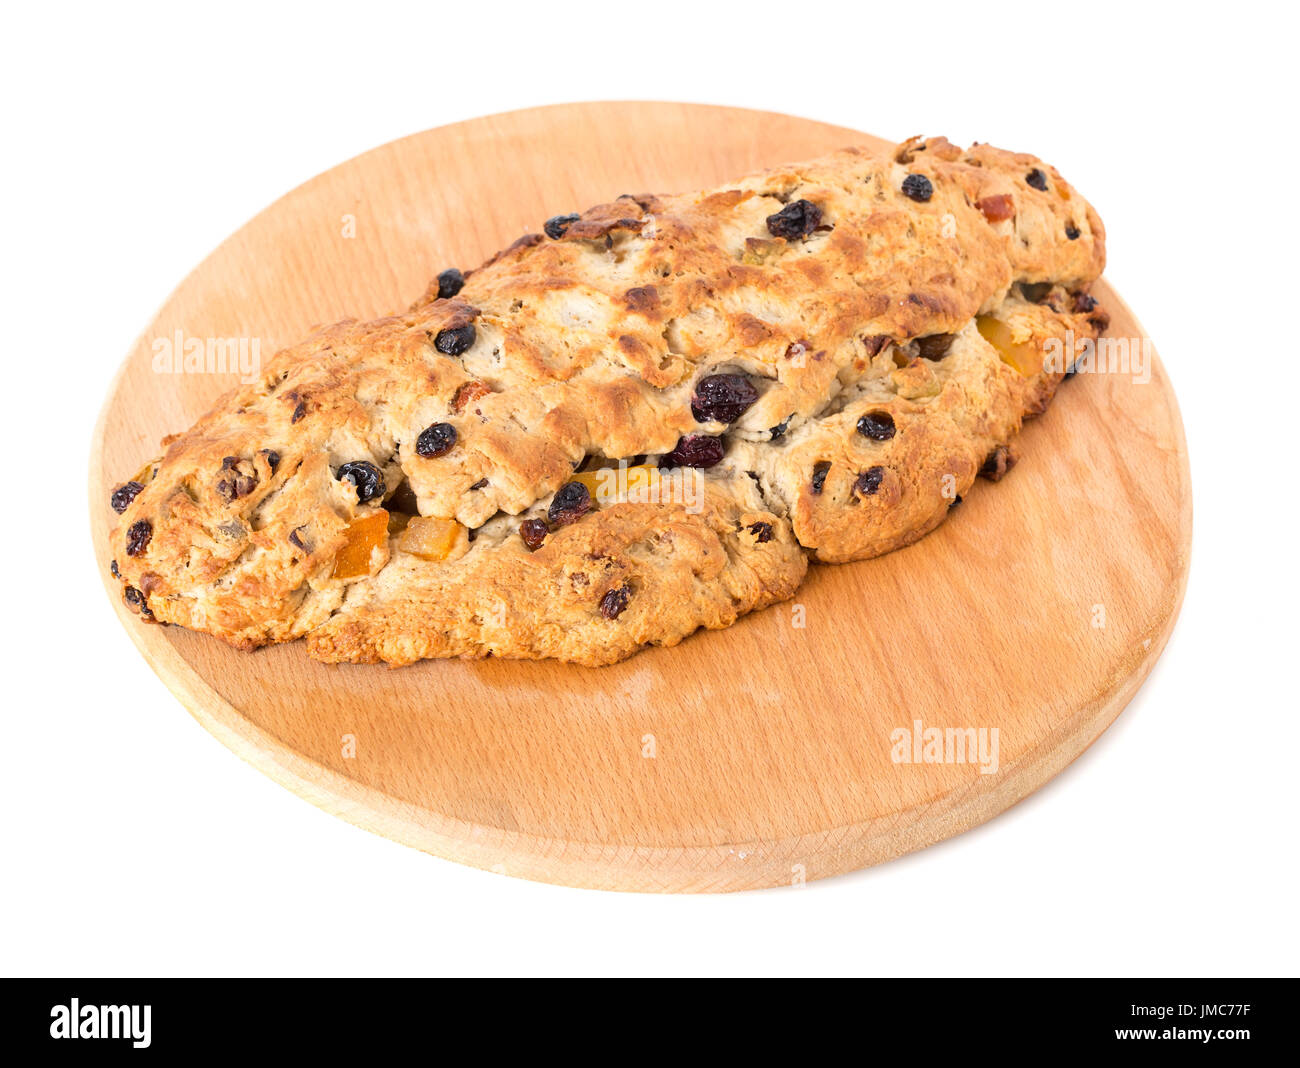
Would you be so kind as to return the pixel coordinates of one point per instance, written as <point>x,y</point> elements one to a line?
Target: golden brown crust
<point>673,567</point>
<point>591,343</point>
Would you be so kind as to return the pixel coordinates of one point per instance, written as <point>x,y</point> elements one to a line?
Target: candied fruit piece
<point>997,208</point>
<point>608,485</point>
<point>1020,353</point>
<point>431,538</point>
<point>365,535</point>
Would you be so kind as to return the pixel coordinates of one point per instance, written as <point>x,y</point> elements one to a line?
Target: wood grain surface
<point>762,755</point>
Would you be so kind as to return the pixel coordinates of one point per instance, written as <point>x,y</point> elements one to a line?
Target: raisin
<point>571,502</point>
<point>1084,302</point>
<point>296,538</point>
<point>778,431</point>
<point>137,537</point>
<point>819,476</point>
<point>642,299</point>
<point>480,484</point>
<point>997,464</point>
<point>436,440</point>
<point>114,570</point>
<point>918,187</point>
<point>869,481</point>
<point>367,478</point>
<point>878,426</point>
<point>1071,232</point>
<point>934,346</point>
<point>722,398</point>
<point>795,220</point>
<point>533,532</point>
<point>454,340</point>
<point>236,480</point>
<point>124,495</point>
<point>272,459</point>
<point>613,603</point>
<point>875,343</point>
<point>136,600</point>
<point>694,450</point>
<point>450,283</point>
<point>1036,179</point>
<point>556,225</point>
<point>1036,292</point>
<point>762,532</point>
<point>298,412</point>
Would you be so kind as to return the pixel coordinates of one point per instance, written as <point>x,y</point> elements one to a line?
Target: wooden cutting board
<point>762,755</point>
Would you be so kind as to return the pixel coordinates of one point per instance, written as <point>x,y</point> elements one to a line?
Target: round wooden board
<point>771,742</point>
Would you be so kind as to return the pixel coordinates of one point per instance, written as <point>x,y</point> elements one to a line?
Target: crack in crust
<point>846,292</point>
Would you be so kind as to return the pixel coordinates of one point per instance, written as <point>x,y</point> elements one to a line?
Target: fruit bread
<point>646,419</point>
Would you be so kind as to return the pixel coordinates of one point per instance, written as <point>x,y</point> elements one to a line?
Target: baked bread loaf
<point>644,420</point>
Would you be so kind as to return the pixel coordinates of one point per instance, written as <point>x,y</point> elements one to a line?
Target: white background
<point>137,139</point>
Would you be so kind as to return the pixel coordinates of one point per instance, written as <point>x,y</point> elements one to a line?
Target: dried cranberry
<point>467,394</point>
<point>557,224</point>
<point>694,450</point>
<point>450,283</point>
<point>367,478</point>
<point>1036,179</point>
<point>934,346</point>
<point>997,464</point>
<point>533,532</point>
<point>819,476</point>
<point>997,208</point>
<point>124,495</point>
<point>571,502</point>
<point>795,220</point>
<point>1071,232</point>
<point>455,339</point>
<point>137,537</point>
<point>722,398</point>
<point>436,440</point>
<point>869,481</point>
<point>878,426</point>
<point>762,532</point>
<point>918,187</point>
<point>613,603</point>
